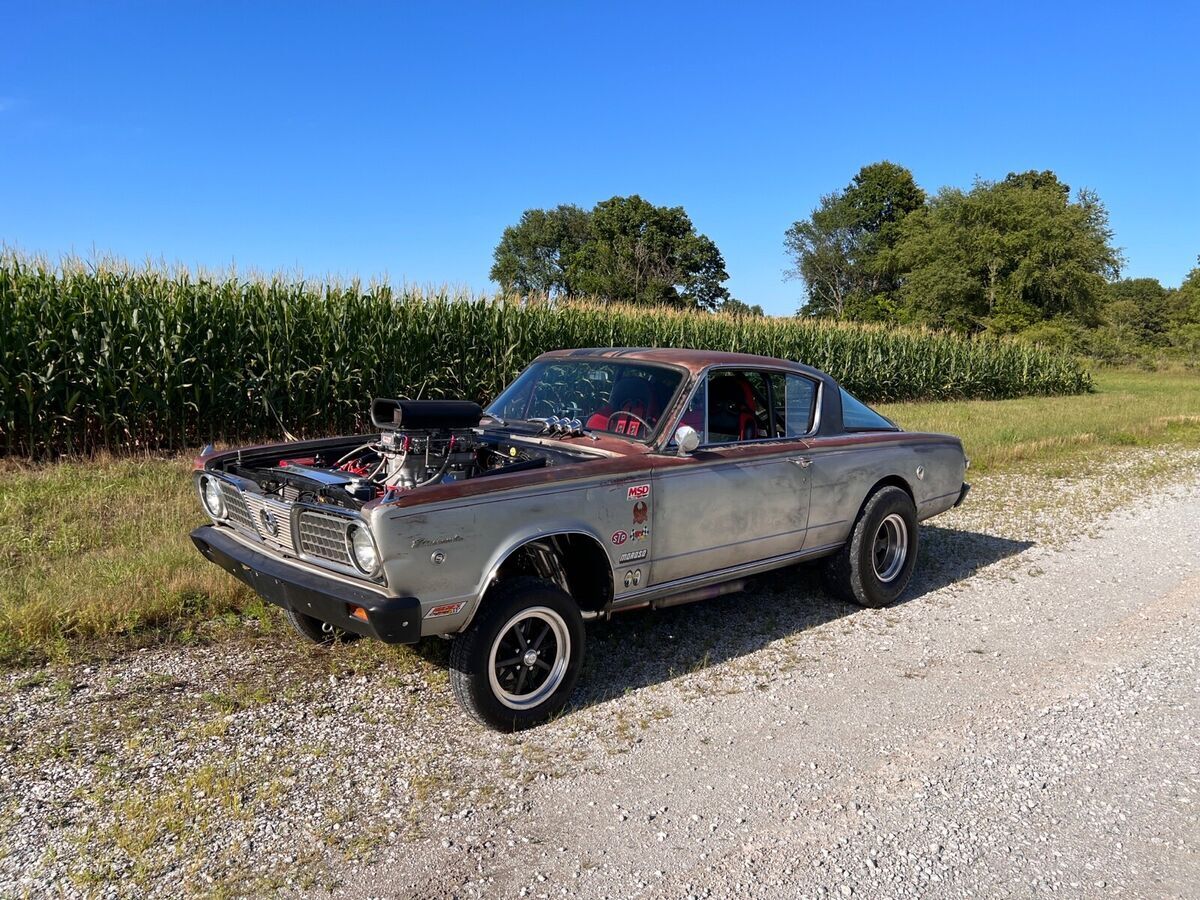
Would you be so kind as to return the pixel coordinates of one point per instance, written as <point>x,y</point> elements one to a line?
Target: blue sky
<point>364,139</point>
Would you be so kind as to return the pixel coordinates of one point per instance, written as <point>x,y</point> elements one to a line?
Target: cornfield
<point>119,358</point>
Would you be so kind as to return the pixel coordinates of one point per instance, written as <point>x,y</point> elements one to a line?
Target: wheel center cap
<point>531,656</point>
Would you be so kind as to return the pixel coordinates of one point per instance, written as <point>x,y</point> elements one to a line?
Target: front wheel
<point>518,662</point>
<point>876,564</point>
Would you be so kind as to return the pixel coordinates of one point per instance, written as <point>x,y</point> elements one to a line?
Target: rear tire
<point>317,632</point>
<point>876,564</point>
<point>517,664</point>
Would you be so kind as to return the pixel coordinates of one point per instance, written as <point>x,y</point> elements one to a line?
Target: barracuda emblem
<point>433,542</point>
<point>269,523</point>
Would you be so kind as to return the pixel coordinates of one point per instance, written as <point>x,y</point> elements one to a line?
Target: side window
<point>795,403</point>
<point>737,406</point>
<point>857,416</point>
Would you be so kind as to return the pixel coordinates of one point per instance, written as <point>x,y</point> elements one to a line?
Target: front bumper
<point>394,620</point>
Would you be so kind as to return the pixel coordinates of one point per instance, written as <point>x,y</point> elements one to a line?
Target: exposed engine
<point>420,442</point>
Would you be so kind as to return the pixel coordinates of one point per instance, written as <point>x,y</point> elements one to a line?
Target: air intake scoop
<point>424,415</point>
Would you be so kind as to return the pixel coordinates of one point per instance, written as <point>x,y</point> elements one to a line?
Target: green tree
<point>1005,255</point>
<point>1137,306</point>
<point>637,252</point>
<point>841,251</point>
<point>1183,305</point>
<point>738,309</point>
<point>534,256</point>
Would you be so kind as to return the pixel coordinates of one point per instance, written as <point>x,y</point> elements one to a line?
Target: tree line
<point>1023,256</point>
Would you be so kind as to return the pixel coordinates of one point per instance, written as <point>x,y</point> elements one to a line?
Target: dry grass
<point>1128,409</point>
<point>99,550</point>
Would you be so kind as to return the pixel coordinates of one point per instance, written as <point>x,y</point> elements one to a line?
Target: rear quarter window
<point>857,416</point>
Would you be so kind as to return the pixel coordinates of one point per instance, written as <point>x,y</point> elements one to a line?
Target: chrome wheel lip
<point>891,537</point>
<point>558,669</point>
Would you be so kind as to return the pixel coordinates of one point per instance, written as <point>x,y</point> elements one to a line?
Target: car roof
<point>692,360</point>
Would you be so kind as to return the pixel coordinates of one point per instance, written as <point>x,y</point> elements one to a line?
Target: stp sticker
<point>620,537</point>
<point>638,492</point>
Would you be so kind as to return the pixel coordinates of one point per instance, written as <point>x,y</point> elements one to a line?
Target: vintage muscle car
<point>599,481</point>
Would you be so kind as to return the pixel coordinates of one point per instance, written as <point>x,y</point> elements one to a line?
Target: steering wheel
<point>625,430</point>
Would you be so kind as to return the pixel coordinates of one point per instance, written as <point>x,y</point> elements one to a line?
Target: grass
<point>94,556</point>
<point>1128,409</point>
<point>99,550</point>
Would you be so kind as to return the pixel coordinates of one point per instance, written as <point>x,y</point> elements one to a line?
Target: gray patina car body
<point>602,480</point>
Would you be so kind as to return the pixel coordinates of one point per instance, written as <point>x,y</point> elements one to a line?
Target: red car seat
<point>731,407</point>
<point>632,395</point>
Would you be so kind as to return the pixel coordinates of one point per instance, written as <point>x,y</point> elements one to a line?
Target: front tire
<point>517,664</point>
<point>876,564</point>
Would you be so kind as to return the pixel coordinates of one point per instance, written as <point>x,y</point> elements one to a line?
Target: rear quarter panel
<point>845,469</point>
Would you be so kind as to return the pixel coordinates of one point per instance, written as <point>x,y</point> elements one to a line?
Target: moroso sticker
<point>639,512</point>
<point>620,537</point>
<point>638,492</point>
<point>640,534</point>
<point>632,555</point>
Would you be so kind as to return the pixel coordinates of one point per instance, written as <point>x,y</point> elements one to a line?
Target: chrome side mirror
<point>687,439</point>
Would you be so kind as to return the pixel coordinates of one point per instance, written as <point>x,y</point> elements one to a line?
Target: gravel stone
<point>1025,721</point>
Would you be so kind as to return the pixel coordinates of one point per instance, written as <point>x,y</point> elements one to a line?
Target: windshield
<point>620,398</point>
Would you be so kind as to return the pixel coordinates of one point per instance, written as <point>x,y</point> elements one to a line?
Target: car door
<point>743,496</point>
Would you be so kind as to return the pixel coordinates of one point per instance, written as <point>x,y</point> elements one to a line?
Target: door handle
<point>802,461</point>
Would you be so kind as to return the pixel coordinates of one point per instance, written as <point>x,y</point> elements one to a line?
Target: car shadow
<point>645,647</point>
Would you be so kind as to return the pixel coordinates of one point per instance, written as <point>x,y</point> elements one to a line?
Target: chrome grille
<point>264,510</point>
<point>324,537</point>
<point>235,507</point>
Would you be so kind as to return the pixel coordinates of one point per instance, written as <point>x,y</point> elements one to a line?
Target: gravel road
<point>1024,723</point>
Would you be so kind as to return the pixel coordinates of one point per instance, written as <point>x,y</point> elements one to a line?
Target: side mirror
<point>687,439</point>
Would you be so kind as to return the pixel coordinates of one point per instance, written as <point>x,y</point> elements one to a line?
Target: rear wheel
<point>518,662</point>
<point>313,629</point>
<point>876,564</point>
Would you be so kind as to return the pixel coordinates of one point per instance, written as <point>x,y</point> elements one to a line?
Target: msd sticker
<point>638,492</point>
<point>620,537</point>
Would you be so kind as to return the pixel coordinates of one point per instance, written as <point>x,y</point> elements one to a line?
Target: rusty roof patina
<point>692,360</point>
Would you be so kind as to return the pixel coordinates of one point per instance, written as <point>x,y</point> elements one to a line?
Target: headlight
<point>366,557</point>
<point>210,496</point>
